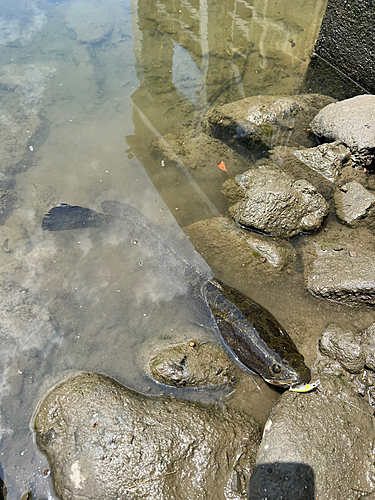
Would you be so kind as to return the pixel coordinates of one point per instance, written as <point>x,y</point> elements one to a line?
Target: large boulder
<point>105,441</point>
<point>249,254</point>
<point>267,120</point>
<point>352,122</point>
<point>277,205</point>
<point>316,445</point>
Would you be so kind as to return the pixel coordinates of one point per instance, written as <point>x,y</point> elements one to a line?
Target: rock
<point>7,200</point>
<point>15,132</point>
<point>267,120</point>
<point>275,204</point>
<point>327,159</point>
<point>354,203</point>
<point>288,162</point>
<point>316,445</point>
<point>24,321</point>
<point>368,346</point>
<point>219,239</point>
<point>335,273</point>
<point>351,122</point>
<point>105,441</point>
<point>27,81</point>
<point>200,365</point>
<point>345,347</point>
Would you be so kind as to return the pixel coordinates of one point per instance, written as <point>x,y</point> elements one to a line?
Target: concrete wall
<point>347,40</point>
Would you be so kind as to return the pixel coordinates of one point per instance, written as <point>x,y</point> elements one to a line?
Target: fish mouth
<point>292,382</point>
<point>283,383</point>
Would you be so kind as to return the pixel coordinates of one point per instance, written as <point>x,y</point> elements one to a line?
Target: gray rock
<point>7,200</point>
<point>287,161</point>
<point>27,81</point>
<point>354,203</point>
<point>267,120</point>
<point>352,122</point>
<point>15,132</point>
<point>105,441</point>
<point>316,445</point>
<point>199,365</point>
<point>24,322</point>
<point>327,159</point>
<point>249,254</point>
<point>344,347</point>
<point>277,205</point>
<point>333,273</point>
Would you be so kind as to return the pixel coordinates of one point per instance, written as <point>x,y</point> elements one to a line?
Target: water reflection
<point>77,78</point>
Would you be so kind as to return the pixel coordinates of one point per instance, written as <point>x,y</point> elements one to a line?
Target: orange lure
<point>222,166</point>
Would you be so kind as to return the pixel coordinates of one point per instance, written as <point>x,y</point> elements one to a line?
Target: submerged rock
<point>28,82</point>
<point>105,441</point>
<point>267,120</point>
<point>220,240</point>
<point>352,122</point>
<point>354,203</point>
<point>277,205</point>
<point>316,445</point>
<point>195,365</point>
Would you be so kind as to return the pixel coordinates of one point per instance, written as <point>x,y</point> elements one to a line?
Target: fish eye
<point>276,368</point>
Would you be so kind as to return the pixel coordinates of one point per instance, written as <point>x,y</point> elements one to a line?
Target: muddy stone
<point>15,132</point>
<point>335,272</point>
<point>327,159</point>
<point>193,366</point>
<point>323,437</point>
<point>353,351</point>
<point>105,441</point>
<point>351,122</point>
<point>288,162</point>
<point>219,240</point>
<point>24,320</point>
<point>354,203</point>
<point>277,205</point>
<point>267,120</point>
<point>344,347</point>
<point>368,346</point>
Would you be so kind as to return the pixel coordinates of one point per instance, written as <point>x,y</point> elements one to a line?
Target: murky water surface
<point>85,87</point>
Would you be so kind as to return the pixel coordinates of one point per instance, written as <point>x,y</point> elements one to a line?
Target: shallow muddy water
<point>86,86</point>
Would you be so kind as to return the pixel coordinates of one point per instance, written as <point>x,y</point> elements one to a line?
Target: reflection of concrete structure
<point>346,42</point>
<point>240,48</point>
<point>194,53</point>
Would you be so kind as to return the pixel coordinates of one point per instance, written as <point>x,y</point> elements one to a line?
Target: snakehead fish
<point>247,330</point>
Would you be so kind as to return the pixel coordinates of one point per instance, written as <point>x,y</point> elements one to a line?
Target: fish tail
<point>66,217</point>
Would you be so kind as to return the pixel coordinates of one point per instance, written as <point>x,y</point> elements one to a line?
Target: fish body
<point>254,337</point>
<point>248,331</point>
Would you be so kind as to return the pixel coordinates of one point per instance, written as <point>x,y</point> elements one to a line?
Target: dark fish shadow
<point>282,481</point>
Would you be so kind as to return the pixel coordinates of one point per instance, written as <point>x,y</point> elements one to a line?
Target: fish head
<point>288,372</point>
<point>254,337</point>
